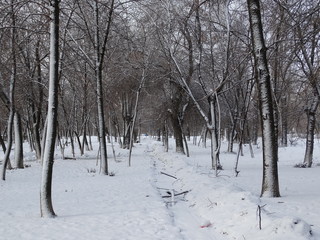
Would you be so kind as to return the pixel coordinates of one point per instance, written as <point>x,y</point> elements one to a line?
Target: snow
<point>129,205</point>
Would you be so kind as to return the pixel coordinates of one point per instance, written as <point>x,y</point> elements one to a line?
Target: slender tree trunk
<point>43,140</point>
<point>100,52</point>
<point>46,207</point>
<point>177,131</point>
<point>90,143</point>
<point>84,140</point>
<point>188,133</point>
<point>18,150</point>
<point>9,146</point>
<point>72,143</point>
<point>36,108</point>
<point>311,113</point>
<point>2,144</point>
<point>186,144</point>
<point>270,182</point>
<point>28,133</point>
<point>6,162</point>
<point>212,126</point>
<point>284,126</point>
<point>135,113</point>
<point>231,135</point>
<point>111,139</point>
<point>166,136</point>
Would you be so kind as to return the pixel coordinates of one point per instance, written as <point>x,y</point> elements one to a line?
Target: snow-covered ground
<point>135,203</point>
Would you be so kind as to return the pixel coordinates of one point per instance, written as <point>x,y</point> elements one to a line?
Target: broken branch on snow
<point>168,175</point>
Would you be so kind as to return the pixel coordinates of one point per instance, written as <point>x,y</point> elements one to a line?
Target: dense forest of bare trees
<point>164,68</point>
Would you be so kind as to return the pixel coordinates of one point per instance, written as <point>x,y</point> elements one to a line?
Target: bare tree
<point>307,33</point>
<point>46,206</point>
<point>11,98</point>
<point>270,182</point>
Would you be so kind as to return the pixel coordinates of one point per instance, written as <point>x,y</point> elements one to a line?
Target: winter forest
<point>159,119</point>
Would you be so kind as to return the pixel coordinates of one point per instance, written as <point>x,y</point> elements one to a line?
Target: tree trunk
<point>100,100</point>
<point>165,136</point>
<point>177,131</point>
<point>72,143</point>
<point>214,128</point>
<point>186,144</point>
<point>284,123</point>
<point>11,96</point>
<point>18,141</point>
<point>46,207</point>
<point>188,134</point>
<point>9,146</point>
<point>36,108</point>
<point>270,182</point>
<point>126,116</point>
<point>43,140</point>
<point>311,113</point>
<point>135,113</point>
<point>231,135</point>
<point>2,144</point>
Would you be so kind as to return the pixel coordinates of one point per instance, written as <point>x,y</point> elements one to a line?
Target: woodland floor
<point>135,203</point>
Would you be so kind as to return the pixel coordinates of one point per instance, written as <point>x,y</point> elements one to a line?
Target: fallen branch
<point>177,194</point>
<point>259,214</point>
<point>168,175</point>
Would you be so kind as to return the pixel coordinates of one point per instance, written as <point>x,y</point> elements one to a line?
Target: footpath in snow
<point>136,203</point>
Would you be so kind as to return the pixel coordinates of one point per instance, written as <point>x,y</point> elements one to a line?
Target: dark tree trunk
<point>177,131</point>
<point>284,123</point>
<point>2,144</point>
<point>18,150</point>
<point>36,108</point>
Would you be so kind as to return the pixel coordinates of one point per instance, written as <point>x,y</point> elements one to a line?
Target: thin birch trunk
<point>46,207</point>
<point>270,182</point>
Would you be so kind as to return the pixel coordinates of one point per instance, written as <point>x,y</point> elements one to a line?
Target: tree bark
<point>311,114</point>
<point>36,108</point>
<point>100,51</point>
<point>46,207</point>
<point>270,182</point>
<point>18,141</point>
<point>11,94</point>
<point>135,113</point>
<point>9,146</point>
<point>177,131</point>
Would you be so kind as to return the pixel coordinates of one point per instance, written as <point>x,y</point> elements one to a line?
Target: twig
<point>177,194</point>
<point>168,175</point>
<point>259,214</point>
